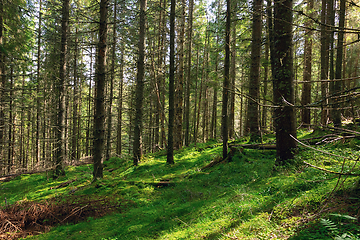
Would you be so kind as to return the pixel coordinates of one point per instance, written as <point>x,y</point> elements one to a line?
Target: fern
<point>330,226</point>
<point>333,229</point>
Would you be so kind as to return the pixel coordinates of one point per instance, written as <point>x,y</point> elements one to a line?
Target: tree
<point>100,80</point>
<point>139,92</point>
<point>339,63</point>
<point>226,83</point>
<point>283,86</point>
<point>112,79</point>
<point>307,73</point>
<point>324,60</point>
<point>188,82</point>
<point>60,91</point>
<point>2,81</point>
<point>170,146</point>
<point>254,84</point>
<point>179,84</point>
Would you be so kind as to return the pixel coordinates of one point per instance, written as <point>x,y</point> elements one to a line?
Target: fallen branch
<point>257,146</point>
<point>331,154</point>
<point>329,171</point>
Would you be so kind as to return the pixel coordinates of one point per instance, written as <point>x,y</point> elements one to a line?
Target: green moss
<point>244,199</point>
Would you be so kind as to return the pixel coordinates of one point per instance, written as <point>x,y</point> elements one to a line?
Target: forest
<point>222,119</point>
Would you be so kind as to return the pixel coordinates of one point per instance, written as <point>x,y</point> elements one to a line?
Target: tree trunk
<point>139,92</point>
<point>38,87</point>
<point>226,83</point>
<point>307,73</point>
<point>100,80</point>
<point>120,111</point>
<point>285,122</point>
<point>75,117</point>
<point>60,98</point>
<point>178,140</point>
<point>254,84</point>
<point>11,124</point>
<point>170,147</point>
<point>339,63</point>
<point>188,83</point>
<point>233,75</point>
<point>324,59</point>
<point>112,79</point>
<point>2,84</point>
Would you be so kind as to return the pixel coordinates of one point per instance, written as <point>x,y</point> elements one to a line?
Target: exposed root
<point>31,218</point>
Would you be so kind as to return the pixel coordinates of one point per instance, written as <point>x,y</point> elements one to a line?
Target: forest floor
<point>199,197</point>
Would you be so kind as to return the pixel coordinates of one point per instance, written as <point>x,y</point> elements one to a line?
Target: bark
<point>233,76</point>
<point>60,91</point>
<point>254,84</point>
<point>331,33</point>
<point>100,81</point>
<point>188,82</point>
<point>307,73</point>
<point>158,72</point>
<point>324,60</point>
<point>112,79</point>
<point>37,140</point>
<point>201,90</point>
<point>170,147</point>
<point>265,81</point>
<point>2,84</point>
<point>178,140</point>
<point>89,110</point>
<point>213,128</point>
<point>285,122</point>
<point>120,111</point>
<point>75,133</point>
<point>339,63</point>
<point>139,92</point>
<point>11,128</point>
<point>226,83</point>
<point>195,102</point>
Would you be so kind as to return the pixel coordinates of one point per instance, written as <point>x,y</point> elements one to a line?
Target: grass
<point>247,198</point>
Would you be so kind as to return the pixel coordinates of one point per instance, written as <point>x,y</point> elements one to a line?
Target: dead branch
<point>331,154</point>
<point>329,171</point>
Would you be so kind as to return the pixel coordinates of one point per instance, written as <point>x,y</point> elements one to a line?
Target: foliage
<point>246,198</point>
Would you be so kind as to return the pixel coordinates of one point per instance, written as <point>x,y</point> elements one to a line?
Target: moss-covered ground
<point>246,198</point>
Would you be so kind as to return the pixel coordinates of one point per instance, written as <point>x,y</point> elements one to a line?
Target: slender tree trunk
<point>100,81</point>
<point>112,79</point>
<point>254,84</point>
<point>2,84</point>
<point>339,63</point>
<point>158,72</point>
<point>139,92</point>
<point>307,73</point>
<point>324,59</point>
<point>213,128</point>
<point>120,111</point>
<point>11,124</point>
<point>170,147</point>
<point>201,90</point>
<point>284,96</point>
<point>266,77</point>
<point>60,91</point>
<point>226,83</point>
<point>38,87</point>
<point>188,83</point>
<point>195,103</point>
<point>331,32</point>
<point>75,117</point>
<point>89,110</point>
<point>178,140</point>
<point>233,75</point>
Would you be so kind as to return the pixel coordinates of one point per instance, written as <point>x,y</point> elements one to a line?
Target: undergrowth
<point>246,198</point>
